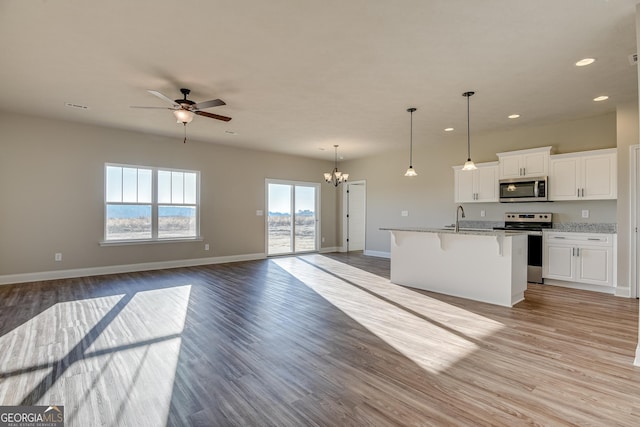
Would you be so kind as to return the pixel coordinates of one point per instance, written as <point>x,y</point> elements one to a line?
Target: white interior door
<point>356,214</point>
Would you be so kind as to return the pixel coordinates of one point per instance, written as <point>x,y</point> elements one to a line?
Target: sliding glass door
<point>292,217</point>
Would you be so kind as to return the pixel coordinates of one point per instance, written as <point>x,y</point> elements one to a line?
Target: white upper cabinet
<point>589,175</point>
<point>524,163</point>
<point>477,186</point>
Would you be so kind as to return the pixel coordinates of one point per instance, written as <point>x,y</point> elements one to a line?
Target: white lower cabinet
<point>579,257</point>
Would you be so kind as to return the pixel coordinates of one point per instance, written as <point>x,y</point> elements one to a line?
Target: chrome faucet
<point>457,220</point>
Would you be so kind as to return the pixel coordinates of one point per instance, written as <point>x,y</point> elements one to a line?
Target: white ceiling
<point>299,76</point>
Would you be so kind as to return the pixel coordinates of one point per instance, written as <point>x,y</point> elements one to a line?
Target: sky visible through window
<point>280,198</point>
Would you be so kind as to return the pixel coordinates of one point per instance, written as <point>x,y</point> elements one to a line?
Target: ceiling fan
<point>184,109</point>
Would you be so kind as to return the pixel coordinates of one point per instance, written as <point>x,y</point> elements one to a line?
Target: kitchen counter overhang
<point>482,265</point>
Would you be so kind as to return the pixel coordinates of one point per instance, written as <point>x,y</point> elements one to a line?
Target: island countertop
<point>467,231</point>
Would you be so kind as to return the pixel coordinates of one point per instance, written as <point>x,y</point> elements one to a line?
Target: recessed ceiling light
<point>514,116</point>
<point>448,129</point>
<point>230,132</point>
<point>601,98</point>
<point>585,61</point>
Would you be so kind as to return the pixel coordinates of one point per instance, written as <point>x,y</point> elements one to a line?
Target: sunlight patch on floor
<point>129,343</point>
<point>433,334</point>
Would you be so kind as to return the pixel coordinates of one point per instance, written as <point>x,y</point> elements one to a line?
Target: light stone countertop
<point>463,231</point>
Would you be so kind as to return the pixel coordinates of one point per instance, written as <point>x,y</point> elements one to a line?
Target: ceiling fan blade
<point>209,104</point>
<point>161,96</point>
<point>213,116</point>
<point>152,108</point>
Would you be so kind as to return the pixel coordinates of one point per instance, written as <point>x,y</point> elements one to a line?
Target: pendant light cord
<point>411,110</point>
<point>468,95</point>
<point>468,131</point>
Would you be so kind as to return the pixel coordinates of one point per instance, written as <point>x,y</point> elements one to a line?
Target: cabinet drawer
<point>582,239</point>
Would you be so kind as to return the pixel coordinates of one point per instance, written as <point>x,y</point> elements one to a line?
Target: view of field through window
<point>291,219</point>
<point>130,204</point>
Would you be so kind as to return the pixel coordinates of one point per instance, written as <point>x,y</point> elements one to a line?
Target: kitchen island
<point>482,265</point>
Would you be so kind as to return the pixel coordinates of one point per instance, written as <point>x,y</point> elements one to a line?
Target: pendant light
<point>411,171</point>
<point>336,177</point>
<point>468,165</point>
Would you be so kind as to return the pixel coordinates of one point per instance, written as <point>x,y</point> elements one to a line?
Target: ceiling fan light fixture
<point>183,116</point>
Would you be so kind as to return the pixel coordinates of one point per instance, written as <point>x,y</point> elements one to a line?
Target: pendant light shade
<point>411,171</point>
<point>468,165</point>
<point>336,177</point>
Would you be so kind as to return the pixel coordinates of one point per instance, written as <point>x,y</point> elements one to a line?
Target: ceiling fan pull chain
<point>185,133</point>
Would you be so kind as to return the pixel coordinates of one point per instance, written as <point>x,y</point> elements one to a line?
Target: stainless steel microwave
<point>523,189</point>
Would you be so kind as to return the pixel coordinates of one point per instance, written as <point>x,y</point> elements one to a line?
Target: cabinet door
<point>510,166</point>
<point>536,164</point>
<point>558,262</point>
<point>487,184</point>
<point>594,265</point>
<point>563,179</point>
<point>464,190</point>
<point>599,177</point>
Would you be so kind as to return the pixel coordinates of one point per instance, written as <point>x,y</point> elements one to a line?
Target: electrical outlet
<point>404,213</point>
<point>259,213</point>
<point>585,213</point>
<point>206,246</point>
<point>483,213</point>
<point>58,256</point>
<point>323,240</point>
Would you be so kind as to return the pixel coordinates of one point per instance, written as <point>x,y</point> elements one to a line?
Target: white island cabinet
<point>488,266</point>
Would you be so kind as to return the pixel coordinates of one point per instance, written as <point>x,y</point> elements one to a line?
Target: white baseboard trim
<point>127,268</point>
<point>637,361</point>
<point>329,249</point>
<point>581,286</point>
<point>378,254</point>
<point>623,292</point>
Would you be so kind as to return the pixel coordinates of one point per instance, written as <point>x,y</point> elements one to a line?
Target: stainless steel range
<point>533,224</point>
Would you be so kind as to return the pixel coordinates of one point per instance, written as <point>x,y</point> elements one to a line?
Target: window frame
<point>155,205</point>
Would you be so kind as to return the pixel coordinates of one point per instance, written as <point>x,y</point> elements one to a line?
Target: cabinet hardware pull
<point>577,251</point>
<point>578,195</point>
<point>559,237</point>
<point>583,192</point>
<point>597,239</point>
<point>573,251</point>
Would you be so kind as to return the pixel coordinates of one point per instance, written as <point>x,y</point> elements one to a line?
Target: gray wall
<point>52,180</point>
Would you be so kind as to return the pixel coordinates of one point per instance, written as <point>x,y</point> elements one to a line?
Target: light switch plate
<point>404,213</point>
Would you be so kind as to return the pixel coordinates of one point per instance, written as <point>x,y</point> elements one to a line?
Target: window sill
<point>149,241</point>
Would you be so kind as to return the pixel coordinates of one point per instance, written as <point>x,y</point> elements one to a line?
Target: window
<point>143,203</point>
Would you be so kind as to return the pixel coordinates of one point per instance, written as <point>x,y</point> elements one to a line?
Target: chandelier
<point>335,177</point>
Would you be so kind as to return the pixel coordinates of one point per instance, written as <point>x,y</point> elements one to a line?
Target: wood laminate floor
<point>313,340</point>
